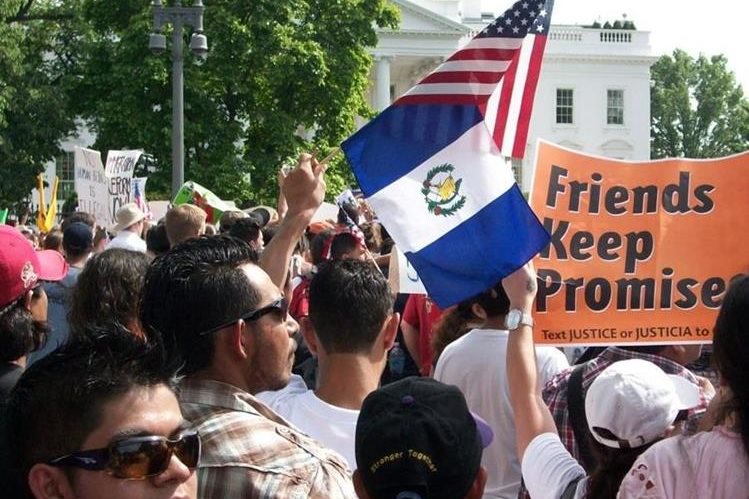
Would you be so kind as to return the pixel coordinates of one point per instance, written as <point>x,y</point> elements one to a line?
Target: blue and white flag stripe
<point>484,177</point>
<point>467,247</point>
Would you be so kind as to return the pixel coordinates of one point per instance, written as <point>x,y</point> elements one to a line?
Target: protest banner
<point>119,172</point>
<point>640,252</point>
<point>92,185</point>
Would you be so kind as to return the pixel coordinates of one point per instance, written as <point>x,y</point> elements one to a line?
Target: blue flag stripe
<point>478,253</point>
<point>403,137</point>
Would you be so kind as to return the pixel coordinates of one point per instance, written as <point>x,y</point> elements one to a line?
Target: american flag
<point>497,71</point>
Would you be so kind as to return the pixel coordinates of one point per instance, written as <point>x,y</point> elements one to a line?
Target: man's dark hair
<point>194,287</point>
<point>246,229</point>
<point>317,246</point>
<point>343,243</point>
<point>58,400</point>
<point>79,216</point>
<point>156,240</point>
<point>348,302</point>
<point>20,334</point>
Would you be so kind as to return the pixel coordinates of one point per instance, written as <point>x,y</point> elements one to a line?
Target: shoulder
<point>548,467</point>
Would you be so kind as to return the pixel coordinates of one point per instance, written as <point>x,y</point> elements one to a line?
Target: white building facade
<point>593,94</point>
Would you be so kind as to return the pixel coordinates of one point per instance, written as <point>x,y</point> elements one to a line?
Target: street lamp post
<point>178,16</point>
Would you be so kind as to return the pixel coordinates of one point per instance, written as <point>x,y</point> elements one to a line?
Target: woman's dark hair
<point>612,465</point>
<point>108,291</point>
<point>20,334</point>
<point>731,352</point>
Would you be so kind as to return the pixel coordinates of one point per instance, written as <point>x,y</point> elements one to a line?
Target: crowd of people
<point>256,358</point>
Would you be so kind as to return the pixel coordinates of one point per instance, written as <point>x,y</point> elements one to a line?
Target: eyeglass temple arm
<point>88,459</point>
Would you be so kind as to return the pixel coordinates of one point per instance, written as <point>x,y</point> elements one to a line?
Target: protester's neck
<point>346,379</point>
<point>496,322</point>
<point>79,262</point>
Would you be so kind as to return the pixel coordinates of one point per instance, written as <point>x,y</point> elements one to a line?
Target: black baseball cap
<point>417,436</point>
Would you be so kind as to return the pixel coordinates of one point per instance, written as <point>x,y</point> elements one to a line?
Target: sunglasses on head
<point>137,457</point>
<point>279,306</point>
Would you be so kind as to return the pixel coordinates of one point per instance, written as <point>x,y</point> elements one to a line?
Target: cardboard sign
<point>402,277</point>
<point>119,172</point>
<point>640,252</point>
<point>92,185</point>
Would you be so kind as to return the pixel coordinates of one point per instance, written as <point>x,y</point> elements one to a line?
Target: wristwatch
<point>516,317</point>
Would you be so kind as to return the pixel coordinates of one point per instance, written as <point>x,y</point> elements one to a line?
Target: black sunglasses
<point>279,306</point>
<point>137,458</point>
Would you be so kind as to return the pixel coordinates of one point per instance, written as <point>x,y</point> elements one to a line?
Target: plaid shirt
<point>251,452</point>
<point>555,393</point>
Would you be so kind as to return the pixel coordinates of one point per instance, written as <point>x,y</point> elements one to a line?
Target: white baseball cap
<point>633,402</point>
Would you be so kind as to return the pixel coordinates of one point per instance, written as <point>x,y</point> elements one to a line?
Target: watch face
<point>513,319</point>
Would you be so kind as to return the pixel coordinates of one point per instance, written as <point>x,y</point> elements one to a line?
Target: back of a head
<point>197,285</point>
<point>349,301</point>
<point>79,217</point>
<point>731,351</point>
<point>53,240</point>
<point>494,301</point>
<point>108,290</point>
<point>343,244</point>
<point>58,401</point>
<point>228,218</point>
<point>246,229</point>
<point>77,240</point>
<point>317,246</point>
<point>157,241</point>
<point>184,222</point>
<point>416,436</point>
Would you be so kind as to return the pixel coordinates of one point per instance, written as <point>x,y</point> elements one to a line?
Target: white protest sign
<point>92,185</point>
<point>119,171</point>
<point>402,276</point>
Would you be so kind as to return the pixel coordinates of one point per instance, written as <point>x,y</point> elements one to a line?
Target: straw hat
<point>128,216</point>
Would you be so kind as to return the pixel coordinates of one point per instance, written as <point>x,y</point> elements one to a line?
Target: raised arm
<point>532,417</point>
<point>304,190</point>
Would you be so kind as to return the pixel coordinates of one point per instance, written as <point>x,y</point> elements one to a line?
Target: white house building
<point>593,94</point>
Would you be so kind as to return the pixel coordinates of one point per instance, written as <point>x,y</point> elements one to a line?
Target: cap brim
<point>687,393</point>
<point>486,434</point>
<point>52,265</point>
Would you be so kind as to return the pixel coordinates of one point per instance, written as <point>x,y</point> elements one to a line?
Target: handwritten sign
<point>92,185</point>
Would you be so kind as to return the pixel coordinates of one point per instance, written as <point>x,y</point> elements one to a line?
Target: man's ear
<point>49,482</point>
<point>390,330</point>
<point>477,487</point>
<point>238,342</point>
<point>479,311</point>
<point>309,335</point>
<point>361,492</point>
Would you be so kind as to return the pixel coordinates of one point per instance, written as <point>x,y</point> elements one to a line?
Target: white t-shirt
<point>548,468</point>
<point>127,240</point>
<point>475,363</point>
<point>332,426</point>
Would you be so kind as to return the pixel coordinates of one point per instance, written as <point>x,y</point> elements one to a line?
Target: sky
<point>712,27</point>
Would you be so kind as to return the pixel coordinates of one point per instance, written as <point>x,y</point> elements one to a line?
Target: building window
<point>615,107</point>
<point>65,169</point>
<point>564,106</point>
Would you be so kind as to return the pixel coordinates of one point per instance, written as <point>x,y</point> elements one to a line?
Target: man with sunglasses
<point>98,418</point>
<point>226,317</point>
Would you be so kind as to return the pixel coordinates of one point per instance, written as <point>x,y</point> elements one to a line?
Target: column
<point>382,85</point>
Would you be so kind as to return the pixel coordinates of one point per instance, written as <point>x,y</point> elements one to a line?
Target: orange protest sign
<point>640,252</point>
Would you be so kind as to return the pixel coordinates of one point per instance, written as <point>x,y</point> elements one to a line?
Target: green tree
<point>697,108</point>
<point>273,69</point>
<point>34,114</point>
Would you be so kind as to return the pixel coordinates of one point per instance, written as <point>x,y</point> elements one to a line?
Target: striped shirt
<point>251,452</point>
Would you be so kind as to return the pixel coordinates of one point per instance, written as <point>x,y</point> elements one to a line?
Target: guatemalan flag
<point>433,165</point>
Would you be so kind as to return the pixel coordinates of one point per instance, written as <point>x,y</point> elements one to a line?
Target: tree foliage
<point>273,69</point>
<point>34,113</point>
<point>697,108</point>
